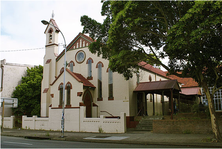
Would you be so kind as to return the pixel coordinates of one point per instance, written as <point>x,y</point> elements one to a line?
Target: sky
<point>22,33</point>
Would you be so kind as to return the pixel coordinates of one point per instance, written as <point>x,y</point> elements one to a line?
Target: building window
<point>217,99</point>
<point>110,82</point>
<point>100,81</point>
<point>50,35</point>
<point>137,78</point>
<point>68,94</point>
<point>60,94</point>
<point>80,56</point>
<point>71,64</point>
<point>84,43</point>
<point>90,68</point>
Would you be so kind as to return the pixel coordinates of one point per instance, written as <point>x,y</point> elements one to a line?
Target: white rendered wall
<point>76,121</point>
<point>8,122</point>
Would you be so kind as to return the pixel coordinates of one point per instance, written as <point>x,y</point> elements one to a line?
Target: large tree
<point>29,93</point>
<point>138,31</point>
<point>194,47</point>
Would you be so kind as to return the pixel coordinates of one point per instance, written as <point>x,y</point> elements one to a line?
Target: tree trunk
<point>214,120</point>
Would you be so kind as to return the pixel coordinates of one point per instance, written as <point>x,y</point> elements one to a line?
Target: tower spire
<point>53,14</point>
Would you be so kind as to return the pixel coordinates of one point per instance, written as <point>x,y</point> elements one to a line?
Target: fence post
<point>123,121</point>
<point>34,119</point>
<point>23,121</point>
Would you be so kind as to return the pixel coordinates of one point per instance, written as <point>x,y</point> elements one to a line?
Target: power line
<point>26,49</point>
<point>21,50</point>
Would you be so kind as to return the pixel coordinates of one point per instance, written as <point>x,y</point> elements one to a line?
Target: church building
<point>89,83</point>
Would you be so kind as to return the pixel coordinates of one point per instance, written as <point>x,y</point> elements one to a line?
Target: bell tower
<point>49,69</point>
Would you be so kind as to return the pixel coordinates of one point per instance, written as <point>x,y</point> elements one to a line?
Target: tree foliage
<point>29,93</point>
<point>194,48</point>
<point>194,44</point>
<point>187,32</point>
<point>131,31</point>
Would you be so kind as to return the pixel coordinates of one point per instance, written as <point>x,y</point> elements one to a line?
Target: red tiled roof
<point>187,82</point>
<point>78,77</point>
<point>53,23</point>
<point>154,70</point>
<point>84,80</point>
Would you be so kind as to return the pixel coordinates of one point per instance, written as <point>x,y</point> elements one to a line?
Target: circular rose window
<point>80,56</point>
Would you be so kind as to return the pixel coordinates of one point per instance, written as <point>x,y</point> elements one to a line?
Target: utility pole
<point>3,111</point>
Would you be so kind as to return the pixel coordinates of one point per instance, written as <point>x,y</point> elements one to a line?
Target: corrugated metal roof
<point>157,85</point>
<point>191,91</point>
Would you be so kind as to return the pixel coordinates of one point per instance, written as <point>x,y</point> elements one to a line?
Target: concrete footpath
<point>130,137</point>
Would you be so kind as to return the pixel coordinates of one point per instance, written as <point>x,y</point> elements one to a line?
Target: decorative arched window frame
<point>68,88</point>
<point>137,78</point>
<point>50,35</point>
<point>60,88</point>
<point>99,65</point>
<point>71,65</point>
<point>89,62</point>
<point>110,84</point>
<point>150,78</point>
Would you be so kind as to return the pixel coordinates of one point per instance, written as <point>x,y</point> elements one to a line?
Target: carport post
<point>179,103</point>
<point>162,99</point>
<point>153,105</point>
<point>171,98</point>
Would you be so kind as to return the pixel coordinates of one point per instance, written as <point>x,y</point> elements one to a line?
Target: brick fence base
<point>184,126</point>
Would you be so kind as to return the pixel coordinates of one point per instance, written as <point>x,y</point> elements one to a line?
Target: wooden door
<point>88,102</point>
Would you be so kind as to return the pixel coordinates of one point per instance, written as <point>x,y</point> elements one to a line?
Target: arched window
<point>110,82</point>
<point>68,94</point>
<point>71,64</point>
<point>99,81</point>
<point>138,78</point>
<point>71,67</point>
<point>60,94</point>
<point>89,68</point>
<point>50,35</point>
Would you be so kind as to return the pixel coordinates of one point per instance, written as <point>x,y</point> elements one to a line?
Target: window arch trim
<point>99,63</point>
<point>89,59</point>
<point>70,63</point>
<point>59,86</point>
<point>68,83</point>
<point>50,30</point>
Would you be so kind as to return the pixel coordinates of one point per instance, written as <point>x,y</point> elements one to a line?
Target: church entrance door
<point>87,99</point>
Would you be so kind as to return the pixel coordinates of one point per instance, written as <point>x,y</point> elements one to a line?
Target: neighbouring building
<point>92,90</point>
<point>10,76</point>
